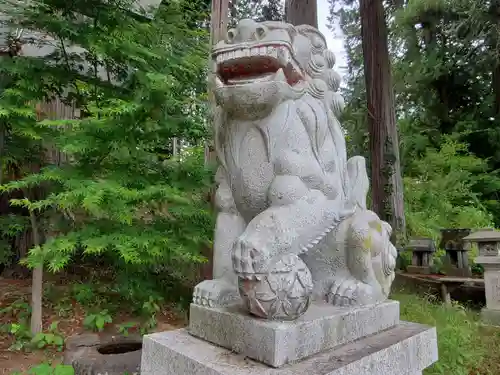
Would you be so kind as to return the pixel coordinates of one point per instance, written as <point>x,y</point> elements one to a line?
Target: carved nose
<point>246,31</point>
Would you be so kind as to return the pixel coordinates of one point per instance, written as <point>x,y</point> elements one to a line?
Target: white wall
<point>140,6</point>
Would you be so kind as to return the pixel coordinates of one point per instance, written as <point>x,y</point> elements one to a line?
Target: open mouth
<point>258,63</point>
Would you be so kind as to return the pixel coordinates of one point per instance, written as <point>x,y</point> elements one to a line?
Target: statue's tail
<point>390,254</point>
<point>358,181</point>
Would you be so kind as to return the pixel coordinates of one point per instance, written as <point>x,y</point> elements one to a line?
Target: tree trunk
<point>302,12</point>
<point>387,184</point>
<point>218,28</point>
<point>219,20</point>
<point>37,283</point>
<point>495,50</point>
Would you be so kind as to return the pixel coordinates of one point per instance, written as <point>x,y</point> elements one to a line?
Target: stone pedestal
<point>406,349</point>
<point>276,343</point>
<point>327,340</point>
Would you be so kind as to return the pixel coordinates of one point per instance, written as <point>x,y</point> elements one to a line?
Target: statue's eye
<point>316,42</point>
<point>231,33</point>
<point>261,32</point>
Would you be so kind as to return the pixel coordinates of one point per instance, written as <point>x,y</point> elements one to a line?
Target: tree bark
<point>495,50</point>
<point>218,28</point>
<point>219,20</point>
<point>302,12</point>
<point>37,283</point>
<point>387,184</point>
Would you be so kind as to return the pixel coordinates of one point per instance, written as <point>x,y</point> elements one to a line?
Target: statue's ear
<point>317,39</point>
<point>292,31</point>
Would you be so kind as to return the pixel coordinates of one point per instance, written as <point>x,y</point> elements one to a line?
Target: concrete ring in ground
<point>94,354</point>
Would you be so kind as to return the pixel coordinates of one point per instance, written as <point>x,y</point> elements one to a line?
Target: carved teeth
<point>283,56</point>
<point>280,75</point>
<point>278,52</point>
<point>218,82</point>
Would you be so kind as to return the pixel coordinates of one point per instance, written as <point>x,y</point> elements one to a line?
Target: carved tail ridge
<point>316,240</point>
<point>358,181</point>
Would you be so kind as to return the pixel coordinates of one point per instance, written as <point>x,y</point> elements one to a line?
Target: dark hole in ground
<point>120,348</point>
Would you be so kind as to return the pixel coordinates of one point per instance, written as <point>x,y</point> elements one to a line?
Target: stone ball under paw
<point>282,294</point>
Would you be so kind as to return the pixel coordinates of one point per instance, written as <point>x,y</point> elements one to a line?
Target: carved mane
<point>320,99</point>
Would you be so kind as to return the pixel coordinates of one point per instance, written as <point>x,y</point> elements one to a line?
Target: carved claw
<point>242,260</point>
<point>352,292</point>
<point>248,262</point>
<point>341,294</point>
<point>215,293</point>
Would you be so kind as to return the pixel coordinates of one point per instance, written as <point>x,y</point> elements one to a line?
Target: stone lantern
<point>422,255</point>
<point>457,258</point>
<point>488,242</point>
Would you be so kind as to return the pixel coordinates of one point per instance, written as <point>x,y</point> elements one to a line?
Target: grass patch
<point>465,346</point>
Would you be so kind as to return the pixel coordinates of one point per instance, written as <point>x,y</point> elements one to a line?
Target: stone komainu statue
<point>293,226</point>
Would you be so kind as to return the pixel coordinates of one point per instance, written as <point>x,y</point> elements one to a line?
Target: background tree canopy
<point>445,63</point>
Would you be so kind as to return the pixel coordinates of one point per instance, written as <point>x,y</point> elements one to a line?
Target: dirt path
<point>20,361</point>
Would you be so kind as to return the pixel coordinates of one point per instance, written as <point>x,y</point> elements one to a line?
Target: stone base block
<point>276,343</point>
<point>490,317</point>
<point>459,272</point>
<point>419,270</point>
<point>406,349</point>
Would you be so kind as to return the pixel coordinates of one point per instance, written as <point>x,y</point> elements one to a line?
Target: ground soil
<point>20,361</point>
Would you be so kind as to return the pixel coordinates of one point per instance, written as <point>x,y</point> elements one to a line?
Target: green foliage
<point>444,62</point>
<point>137,84</point>
<point>464,346</point>
<point>102,301</point>
<point>10,226</point>
<point>258,10</point>
<point>439,262</point>
<point>84,294</point>
<point>150,309</point>
<point>21,334</point>
<point>126,327</point>
<point>18,313</point>
<point>19,308</point>
<point>48,369</point>
<point>52,338</point>
<point>439,191</point>
<point>97,321</point>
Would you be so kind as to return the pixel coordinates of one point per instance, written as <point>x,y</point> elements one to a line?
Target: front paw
<point>249,259</point>
<point>215,293</point>
<point>352,292</point>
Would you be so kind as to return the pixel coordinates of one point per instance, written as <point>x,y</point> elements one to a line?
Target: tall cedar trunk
<point>302,12</point>
<point>218,28</point>
<point>495,50</point>
<point>387,184</point>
